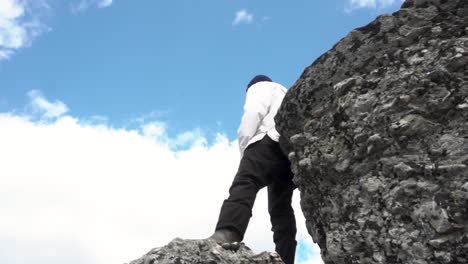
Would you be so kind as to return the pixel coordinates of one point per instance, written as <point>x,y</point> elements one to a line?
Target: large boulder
<point>377,133</point>
<point>204,251</point>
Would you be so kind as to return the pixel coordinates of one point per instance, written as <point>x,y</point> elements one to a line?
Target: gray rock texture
<point>377,133</point>
<point>204,251</point>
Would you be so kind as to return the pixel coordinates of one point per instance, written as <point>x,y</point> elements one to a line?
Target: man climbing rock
<point>263,164</point>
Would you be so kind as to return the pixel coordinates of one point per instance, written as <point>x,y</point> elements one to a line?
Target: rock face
<point>204,251</point>
<point>377,133</point>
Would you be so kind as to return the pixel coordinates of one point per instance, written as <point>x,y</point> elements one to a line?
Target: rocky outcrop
<point>377,133</point>
<point>204,251</point>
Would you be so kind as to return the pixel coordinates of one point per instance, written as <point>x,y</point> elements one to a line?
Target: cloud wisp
<point>20,23</point>
<point>46,108</point>
<point>371,4</point>
<point>105,3</point>
<point>243,17</point>
<point>83,5</point>
<point>108,195</point>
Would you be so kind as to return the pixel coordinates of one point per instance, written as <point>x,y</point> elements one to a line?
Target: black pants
<point>263,164</point>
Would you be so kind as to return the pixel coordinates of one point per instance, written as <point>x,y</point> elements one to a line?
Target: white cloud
<point>5,54</point>
<point>77,192</point>
<point>373,4</point>
<point>20,23</point>
<point>83,5</point>
<point>243,16</point>
<point>156,130</point>
<point>48,109</point>
<point>105,3</point>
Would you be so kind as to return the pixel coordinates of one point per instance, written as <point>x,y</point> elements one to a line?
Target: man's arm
<point>255,108</point>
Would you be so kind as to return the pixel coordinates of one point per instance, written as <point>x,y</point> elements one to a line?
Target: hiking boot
<point>222,236</point>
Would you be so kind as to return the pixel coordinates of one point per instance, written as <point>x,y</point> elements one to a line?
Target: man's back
<point>262,102</point>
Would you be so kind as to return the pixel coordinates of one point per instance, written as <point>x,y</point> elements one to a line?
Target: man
<point>262,164</point>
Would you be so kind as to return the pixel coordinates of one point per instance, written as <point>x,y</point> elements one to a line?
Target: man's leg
<point>254,173</point>
<point>282,218</point>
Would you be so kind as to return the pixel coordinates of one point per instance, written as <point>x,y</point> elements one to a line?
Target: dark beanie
<point>259,78</point>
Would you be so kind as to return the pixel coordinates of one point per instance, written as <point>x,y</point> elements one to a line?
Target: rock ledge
<point>204,251</point>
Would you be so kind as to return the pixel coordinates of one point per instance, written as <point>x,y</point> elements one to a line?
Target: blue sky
<point>87,80</point>
<point>185,60</point>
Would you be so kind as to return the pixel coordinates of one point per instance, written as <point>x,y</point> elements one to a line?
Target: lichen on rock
<point>377,133</point>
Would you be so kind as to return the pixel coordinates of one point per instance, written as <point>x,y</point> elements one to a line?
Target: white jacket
<point>261,104</point>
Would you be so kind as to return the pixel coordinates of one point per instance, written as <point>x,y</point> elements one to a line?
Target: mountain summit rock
<point>377,133</point>
<point>204,251</point>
